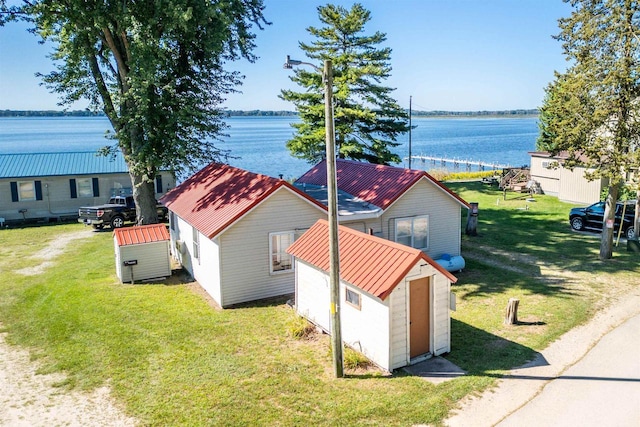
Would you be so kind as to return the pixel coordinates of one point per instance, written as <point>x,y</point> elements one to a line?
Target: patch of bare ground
<point>31,399</point>
<point>51,251</point>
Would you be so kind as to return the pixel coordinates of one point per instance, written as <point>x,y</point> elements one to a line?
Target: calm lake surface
<point>259,142</point>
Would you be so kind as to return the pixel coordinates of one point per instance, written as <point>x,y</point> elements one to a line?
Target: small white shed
<point>394,299</point>
<point>142,252</point>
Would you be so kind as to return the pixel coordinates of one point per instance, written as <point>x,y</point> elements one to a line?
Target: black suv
<point>592,217</point>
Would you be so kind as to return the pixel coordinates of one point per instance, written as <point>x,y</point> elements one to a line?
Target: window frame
<point>279,252</point>
<point>196,244</point>
<point>348,292</point>
<point>21,198</point>
<point>412,220</point>
<point>89,187</point>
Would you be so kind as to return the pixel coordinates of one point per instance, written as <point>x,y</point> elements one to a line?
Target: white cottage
<point>142,252</point>
<point>394,299</point>
<point>407,206</point>
<point>230,229</point>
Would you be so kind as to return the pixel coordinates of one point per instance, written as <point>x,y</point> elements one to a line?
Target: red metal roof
<point>371,263</point>
<point>142,234</point>
<point>218,195</point>
<point>379,185</point>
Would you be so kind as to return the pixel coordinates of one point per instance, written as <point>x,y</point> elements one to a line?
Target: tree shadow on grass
<point>481,353</point>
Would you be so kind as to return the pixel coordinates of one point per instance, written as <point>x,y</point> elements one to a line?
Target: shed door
<point>419,317</point>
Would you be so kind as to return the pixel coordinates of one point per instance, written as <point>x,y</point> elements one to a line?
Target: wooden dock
<point>458,163</point>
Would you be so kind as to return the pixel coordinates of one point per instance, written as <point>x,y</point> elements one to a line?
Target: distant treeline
<point>260,113</point>
<point>49,113</point>
<point>267,113</point>
<point>503,113</point>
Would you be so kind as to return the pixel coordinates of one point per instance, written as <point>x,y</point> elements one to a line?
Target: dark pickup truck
<point>114,213</point>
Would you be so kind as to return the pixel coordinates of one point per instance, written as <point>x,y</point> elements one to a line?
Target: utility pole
<point>410,131</point>
<point>334,253</point>
<point>332,194</point>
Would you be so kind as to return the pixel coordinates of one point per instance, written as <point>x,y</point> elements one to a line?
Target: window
<point>25,190</point>
<point>353,298</point>
<point>85,187</point>
<point>172,220</point>
<point>413,232</point>
<point>196,244</point>
<point>278,244</point>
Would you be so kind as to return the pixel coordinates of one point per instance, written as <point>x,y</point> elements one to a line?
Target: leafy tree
<point>592,111</point>
<point>367,120</point>
<point>154,67</point>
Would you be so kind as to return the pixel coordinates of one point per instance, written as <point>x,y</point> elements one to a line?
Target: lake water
<point>259,142</point>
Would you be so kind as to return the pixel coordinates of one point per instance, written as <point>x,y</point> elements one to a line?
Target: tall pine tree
<point>592,111</point>
<point>367,119</point>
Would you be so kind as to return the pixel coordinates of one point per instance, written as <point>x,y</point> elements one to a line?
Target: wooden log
<point>511,315</point>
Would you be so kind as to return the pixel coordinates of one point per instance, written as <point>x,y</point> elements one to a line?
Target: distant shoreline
<point>520,113</point>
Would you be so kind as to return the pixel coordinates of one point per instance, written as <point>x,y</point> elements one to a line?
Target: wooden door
<point>419,314</point>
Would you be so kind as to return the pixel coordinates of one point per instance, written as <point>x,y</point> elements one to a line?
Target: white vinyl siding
<point>443,211</point>
<point>246,275</point>
<point>152,261</point>
<point>312,295</point>
<point>399,326</point>
<point>441,290</point>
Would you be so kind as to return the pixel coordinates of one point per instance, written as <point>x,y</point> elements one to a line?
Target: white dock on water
<point>458,163</point>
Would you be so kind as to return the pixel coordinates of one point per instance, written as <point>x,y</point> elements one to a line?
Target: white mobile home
<point>36,186</point>
<point>394,300</point>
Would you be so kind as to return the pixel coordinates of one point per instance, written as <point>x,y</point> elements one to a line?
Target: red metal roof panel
<point>379,185</point>
<point>142,234</point>
<point>217,195</point>
<point>371,263</point>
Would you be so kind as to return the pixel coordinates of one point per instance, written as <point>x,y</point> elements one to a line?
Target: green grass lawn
<point>172,359</point>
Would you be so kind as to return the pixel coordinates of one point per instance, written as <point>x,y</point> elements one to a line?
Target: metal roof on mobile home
<point>25,165</point>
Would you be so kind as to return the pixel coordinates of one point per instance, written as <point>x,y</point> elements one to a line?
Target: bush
<point>299,327</point>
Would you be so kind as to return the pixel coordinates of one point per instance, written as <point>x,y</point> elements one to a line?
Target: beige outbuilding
<point>142,252</point>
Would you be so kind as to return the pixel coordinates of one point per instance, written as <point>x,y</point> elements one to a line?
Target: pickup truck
<point>114,213</point>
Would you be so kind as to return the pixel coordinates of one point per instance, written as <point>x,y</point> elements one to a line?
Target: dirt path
<point>31,399</point>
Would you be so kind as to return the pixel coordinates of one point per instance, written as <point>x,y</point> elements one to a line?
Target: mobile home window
<point>26,190</point>
<point>196,244</point>
<point>413,232</point>
<point>278,245</point>
<point>85,187</point>
<point>353,298</point>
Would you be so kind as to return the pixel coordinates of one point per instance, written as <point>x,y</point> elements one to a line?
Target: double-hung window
<point>196,244</point>
<point>26,190</point>
<point>280,260</point>
<point>85,187</point>
<point>413,231</point>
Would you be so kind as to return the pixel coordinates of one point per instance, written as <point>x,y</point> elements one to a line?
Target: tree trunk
<point>144,196</point>
<point>606,243</point>
<point>511,315</point>
<point>636,219</point>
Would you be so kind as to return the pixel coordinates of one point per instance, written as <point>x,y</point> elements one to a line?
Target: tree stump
<point>511,316</point>
<point>472,220</point>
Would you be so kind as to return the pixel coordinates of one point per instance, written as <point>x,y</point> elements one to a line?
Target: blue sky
<point>457,55</point>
